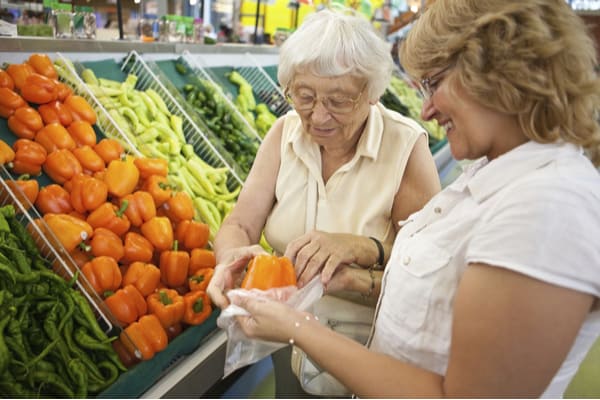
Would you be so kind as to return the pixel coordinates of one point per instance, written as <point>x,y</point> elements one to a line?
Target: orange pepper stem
<point>84,247</point>
<point>198,306</point>
<point>175,245</point>
<point>121,210</point>
<point>24,177</point>
<point>164,298</point>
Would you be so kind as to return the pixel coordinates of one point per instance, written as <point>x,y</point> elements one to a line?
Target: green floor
<point>586,383</point>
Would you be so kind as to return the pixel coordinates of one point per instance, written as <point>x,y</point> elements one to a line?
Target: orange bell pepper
<point>121,177</point>
<point>137,248</point>
<point>54,136</point>
<point>167,305</point>
<point>25,122</point>
<point>53,199</point>
<point>103,274</point>
<point>174,265</point>
<point>267,271</point>
<point>140,207</point>
<point>109,149</point>
<point>159,188</point>
<point>24,188</point>
<point>7,154</point>
<point>63,91</point>
<point>90,161</point>
<point>55,112</point>
<point>87,193</point>
<point>200,279</point>
<point>126,304</point>
<point>29,157</point>
<point>82,133</point>
<point>197,307</point>
<point>159,232</point>
<point>69,231</point>
<point>9,102</point>
<point>19,73</point>
<point>61,166</point>
<point>192,234</point>
<point>106,243</point>
<point>39,90</point>
<point>151,166</point>
<point>144,276</point>
<point>81,109</point>
<point>145,338</point>
<point>110,217</point>
<point>179,207</point>
<point>42,64</point>
<point>6,81</point>
<point>200,259</point>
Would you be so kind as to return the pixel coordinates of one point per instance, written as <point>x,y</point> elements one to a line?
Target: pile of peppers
<point>134,237</point>
<point>51,344</point>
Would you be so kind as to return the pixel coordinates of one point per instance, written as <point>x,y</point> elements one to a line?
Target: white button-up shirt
<point>534,210</point>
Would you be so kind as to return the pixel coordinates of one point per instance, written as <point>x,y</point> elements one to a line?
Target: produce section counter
<point>219,54</point>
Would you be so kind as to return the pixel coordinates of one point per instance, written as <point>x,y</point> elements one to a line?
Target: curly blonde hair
<point>532,59</point>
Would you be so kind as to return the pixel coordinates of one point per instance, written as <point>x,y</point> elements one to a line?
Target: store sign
<point>585,5</point>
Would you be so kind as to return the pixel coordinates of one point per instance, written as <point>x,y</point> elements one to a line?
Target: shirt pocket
<point>419,276</point>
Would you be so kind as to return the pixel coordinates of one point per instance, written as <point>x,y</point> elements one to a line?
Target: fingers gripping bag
<point>263,280</point>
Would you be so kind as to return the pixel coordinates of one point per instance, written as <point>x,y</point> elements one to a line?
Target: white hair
<point>332,44</point>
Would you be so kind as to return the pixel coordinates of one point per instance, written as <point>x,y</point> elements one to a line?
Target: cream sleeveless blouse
<point>358,197</point>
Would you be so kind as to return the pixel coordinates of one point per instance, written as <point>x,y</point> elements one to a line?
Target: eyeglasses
<point>304,99</point>
<point>429,85</point>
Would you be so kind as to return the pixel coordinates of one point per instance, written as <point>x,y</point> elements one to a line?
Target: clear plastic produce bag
<point>241,350</point>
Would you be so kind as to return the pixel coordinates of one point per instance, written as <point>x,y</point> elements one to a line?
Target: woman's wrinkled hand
<point>229,271</point>
<point>268,320</point>
<point>320,252</point>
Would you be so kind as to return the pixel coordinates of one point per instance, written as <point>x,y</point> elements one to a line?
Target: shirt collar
<point>368,144</point>
<point>489,177</point>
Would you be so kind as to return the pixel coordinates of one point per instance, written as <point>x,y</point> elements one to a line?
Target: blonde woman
<point>492,289</point>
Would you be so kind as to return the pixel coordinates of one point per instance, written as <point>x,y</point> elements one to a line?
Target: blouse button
<point>437,210</point>
<point>406,260</point>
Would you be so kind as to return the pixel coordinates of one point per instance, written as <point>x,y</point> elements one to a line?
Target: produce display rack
<point>203,71</point>
<point>150,77</point>
<point>264,87</point>
<point>193,363</point>
<point>105,122</point>
<point>50,248</point>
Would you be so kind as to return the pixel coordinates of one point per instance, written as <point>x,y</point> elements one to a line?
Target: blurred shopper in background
<point>492,288</point>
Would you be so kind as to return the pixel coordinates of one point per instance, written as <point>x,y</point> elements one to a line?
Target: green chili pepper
<point>4,353</point>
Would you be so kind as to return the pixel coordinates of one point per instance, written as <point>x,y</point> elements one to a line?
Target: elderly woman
<point>492,289</point>
<point>333,177</point>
